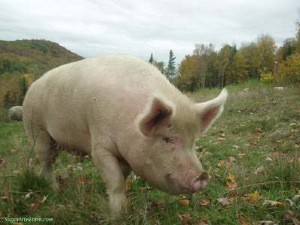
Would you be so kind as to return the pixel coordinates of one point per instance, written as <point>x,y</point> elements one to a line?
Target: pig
<point>124,113</point>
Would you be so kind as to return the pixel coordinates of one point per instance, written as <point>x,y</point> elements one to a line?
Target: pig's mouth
<point>190,185</point>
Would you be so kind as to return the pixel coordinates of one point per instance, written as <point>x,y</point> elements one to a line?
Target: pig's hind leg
<point>46,151</point>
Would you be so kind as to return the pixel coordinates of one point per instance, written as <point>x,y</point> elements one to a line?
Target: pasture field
<point>252,154</point>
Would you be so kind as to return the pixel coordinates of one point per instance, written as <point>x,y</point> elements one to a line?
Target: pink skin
<point>118,109</point>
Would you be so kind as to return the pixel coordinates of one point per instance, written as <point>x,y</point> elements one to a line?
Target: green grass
<point>257,140</point>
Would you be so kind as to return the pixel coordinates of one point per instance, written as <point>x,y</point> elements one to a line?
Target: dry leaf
<point>28,195</point>
<point>296,197</point>
<point>267,222</point>
<point>202,222</point>
<point>184,202</point>
<point>44,198</point>
<point>128,184</point>
<point>243,220</point>
<point>231,186</point>
<point>253,197</point>
<point>220,163</point>
<point>205,202</point>
<point>185,218</point>
<point>259,130</point>
<point>273,203</point>
<point>259,170</point>
<point>225,201</point>
<point>83,180</point>
<point>231,178</point>
<point>232,159</point>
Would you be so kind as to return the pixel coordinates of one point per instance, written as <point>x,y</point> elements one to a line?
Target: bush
<point>267,78</point>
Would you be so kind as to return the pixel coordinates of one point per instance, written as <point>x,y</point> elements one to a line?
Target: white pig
<point>124,113</point>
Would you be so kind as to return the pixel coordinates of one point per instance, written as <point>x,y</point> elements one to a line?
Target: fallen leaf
<point>288,215</point>
<point>44,198</point>
<point>202,222</point>
<point>296,198</point>
<point>185,218</point>
<point>273,203</point>
<point>205,202</point>
<point>267,222</point>
<point>128,184</point>
<point>35,205</point>
<point>28,195</point>
<point>220,163</point>
<point>184,202</point>
<point>225,201</point>
<point>232,159</point>
<point>243,220</point>
<point>231,186</point>
<point>241,155</point>
<point>259,130</point>
<point>253,197</point>
<point>259,170</point>
<point>231,178</point>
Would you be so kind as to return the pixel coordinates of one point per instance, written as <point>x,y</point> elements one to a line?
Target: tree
<point>171,70</point>
<point>224,64</point>
<point>239,68</point>
<point>287,49</point>
<point>251,57</point>
<point>204,53</point>
<point>266,53</point>
<point>151,60</point>
<point>188,78</point>
<point>289,70</point>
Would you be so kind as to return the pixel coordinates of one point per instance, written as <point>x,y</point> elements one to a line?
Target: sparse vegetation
<point>252,154</point>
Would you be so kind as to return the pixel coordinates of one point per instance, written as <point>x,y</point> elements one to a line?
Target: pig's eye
<point>167,140</point>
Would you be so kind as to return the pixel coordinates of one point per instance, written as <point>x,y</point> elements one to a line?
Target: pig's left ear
<point>156,115</point>
<point>209,111</point>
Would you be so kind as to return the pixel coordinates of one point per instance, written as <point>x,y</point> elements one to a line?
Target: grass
<point>252,154</point>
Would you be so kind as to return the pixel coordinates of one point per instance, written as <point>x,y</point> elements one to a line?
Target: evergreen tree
<point>171,70</point>
<point>151,60</point>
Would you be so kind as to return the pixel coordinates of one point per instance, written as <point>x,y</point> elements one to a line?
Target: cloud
<point>98,27</point>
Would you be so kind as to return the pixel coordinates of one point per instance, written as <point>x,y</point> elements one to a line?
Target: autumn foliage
<point>260,60</point>
<point>22,62</point>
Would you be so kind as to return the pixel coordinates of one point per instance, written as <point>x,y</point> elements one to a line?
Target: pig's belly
<point>74,141</point>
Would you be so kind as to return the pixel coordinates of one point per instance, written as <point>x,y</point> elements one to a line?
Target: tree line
<point>260,60</point>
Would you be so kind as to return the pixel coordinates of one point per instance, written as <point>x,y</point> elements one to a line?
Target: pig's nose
<point>199,182</point>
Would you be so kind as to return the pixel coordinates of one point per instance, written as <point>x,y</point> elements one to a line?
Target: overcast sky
<point>138,27</point>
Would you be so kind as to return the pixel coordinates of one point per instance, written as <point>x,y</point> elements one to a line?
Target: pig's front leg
<point>114,177</point>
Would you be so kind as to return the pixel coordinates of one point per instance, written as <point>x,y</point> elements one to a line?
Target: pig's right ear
<point>157,114</point>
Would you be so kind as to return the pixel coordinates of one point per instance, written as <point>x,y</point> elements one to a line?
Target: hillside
<point>23,61</point>
<point>35,56</point>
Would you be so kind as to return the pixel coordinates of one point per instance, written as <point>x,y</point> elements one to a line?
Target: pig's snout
<point>188,183</point>
<point>199,182</point>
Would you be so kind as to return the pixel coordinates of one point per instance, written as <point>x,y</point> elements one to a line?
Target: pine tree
<point>171,70</point>
<point>151,60</point>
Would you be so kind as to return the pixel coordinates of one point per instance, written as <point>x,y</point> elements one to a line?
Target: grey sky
<point>139,27</point>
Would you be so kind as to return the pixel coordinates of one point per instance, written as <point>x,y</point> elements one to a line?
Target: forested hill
<point>33,56</point>
<point>22,62</point>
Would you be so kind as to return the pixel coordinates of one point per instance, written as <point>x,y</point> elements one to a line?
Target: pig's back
<point>94,95</point>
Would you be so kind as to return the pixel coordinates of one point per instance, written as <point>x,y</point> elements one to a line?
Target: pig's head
<point>168,158</point>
